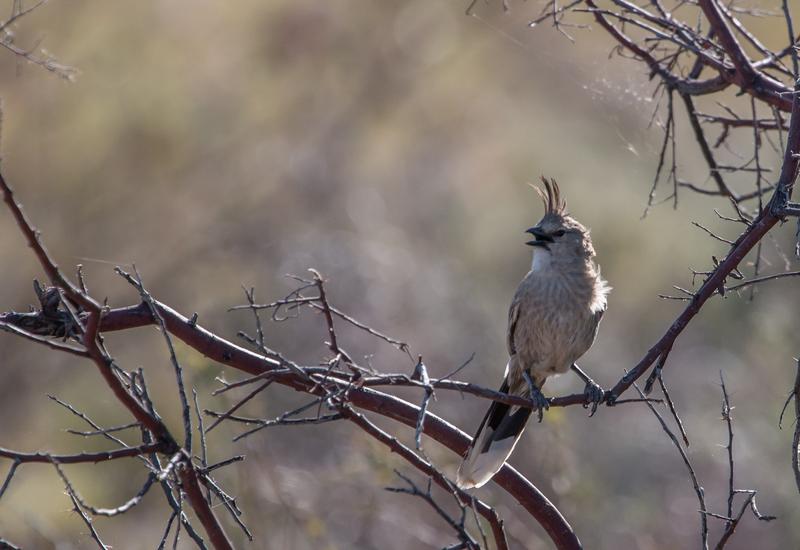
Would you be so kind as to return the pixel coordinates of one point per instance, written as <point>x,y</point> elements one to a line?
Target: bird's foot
<point>540,402</point>
<point>594,394</point>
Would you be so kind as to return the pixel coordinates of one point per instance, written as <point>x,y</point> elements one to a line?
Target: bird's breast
<point>557,323</point>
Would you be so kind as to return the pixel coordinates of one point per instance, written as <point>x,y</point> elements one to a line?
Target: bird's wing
<point>513,317</point>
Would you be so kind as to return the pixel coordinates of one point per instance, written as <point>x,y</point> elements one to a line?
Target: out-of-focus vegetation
<point>387,144</point>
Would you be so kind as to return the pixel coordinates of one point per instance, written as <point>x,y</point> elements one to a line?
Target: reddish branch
<point>96,351</point>
<point>747,75</point>
<point>771,214</point>
<point>521,489</point>
<point>100,456</point>
<point>93,349</point>
<point>48,265</point>
<point>201,507</point>
<point>228,353</point>
<point>225,352</point>
<point>756,83</point>
<point>739,70</point>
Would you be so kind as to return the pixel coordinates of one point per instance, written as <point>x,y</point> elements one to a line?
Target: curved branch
<point>228,353</point>
<point>715,282</point>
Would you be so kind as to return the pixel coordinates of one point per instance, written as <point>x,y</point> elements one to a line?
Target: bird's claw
<point>593,395</point>
<point>539,401</point>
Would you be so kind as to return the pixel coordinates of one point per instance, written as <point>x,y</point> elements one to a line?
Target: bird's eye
<point>559,233</point>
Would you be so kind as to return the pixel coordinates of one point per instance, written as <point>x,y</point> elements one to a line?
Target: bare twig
<point>796,438</point>
<point>726,416</point>
<point>692,475</point>
<point>87,521</point>
<point>487,512</point>
<point>457,525</point>
<point>186,411</point>
<point>76,458</point>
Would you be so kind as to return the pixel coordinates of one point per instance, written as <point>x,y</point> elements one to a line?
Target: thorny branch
<point>86,313</point>
<point>731,521</point>
<point>467,541</point>
<point>676,52</point>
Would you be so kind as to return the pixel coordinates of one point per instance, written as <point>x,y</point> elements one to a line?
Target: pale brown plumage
<point>552,321</point>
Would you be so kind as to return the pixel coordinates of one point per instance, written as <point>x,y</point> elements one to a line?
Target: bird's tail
<point>494,441</point>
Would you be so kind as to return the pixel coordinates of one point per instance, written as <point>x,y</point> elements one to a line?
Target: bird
<point>552,322</point>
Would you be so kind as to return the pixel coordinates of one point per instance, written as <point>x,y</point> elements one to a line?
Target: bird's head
<point>558,233</point>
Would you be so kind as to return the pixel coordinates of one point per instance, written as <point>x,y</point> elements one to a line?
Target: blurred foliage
<point>387,144</point>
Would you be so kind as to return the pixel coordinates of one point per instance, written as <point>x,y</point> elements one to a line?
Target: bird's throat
<point>542,259</point>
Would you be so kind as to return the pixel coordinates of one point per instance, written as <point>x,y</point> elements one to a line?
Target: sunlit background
<point>388,145</point>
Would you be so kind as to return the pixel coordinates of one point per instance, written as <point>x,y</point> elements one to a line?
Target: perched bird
<point>552,321</point>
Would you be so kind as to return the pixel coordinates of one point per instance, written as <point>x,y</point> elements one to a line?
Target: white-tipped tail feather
<point>497,435</point>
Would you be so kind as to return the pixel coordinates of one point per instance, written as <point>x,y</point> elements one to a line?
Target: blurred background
<point>388,145</point>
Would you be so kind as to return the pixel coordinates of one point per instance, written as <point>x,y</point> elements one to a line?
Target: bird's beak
<point>542,238</point>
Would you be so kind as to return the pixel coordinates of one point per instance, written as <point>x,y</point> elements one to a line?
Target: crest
<point>551,197</point>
